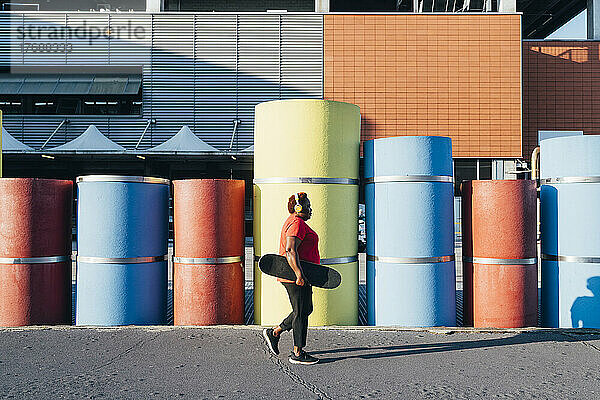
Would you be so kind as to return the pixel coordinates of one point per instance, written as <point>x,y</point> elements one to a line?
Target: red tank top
<point>308,250</point>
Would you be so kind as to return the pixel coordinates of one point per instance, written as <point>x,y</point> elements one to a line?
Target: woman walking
<point>297,242</point>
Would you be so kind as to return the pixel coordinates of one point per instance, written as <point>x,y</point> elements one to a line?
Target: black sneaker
<point>272,340</point>
<point>304,358</point>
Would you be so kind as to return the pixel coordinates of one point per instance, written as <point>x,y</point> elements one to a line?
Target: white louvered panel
<point>33,130</point>
<point>41,30</point>
<point>11,51</point>
<point>216,87</point>
<point>126,130</point>
<point>196,72</point>
<point>147,91</point>
<point>302,56</point>
<point>259,72</point>
<point>131,39</point>
<point>89,38</point>
<point>172,79</point>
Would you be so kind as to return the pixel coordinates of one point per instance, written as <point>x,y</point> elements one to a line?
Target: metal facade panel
<point>301,57</point>
<point>11,33</point>
<point>130,39</point>
<point>89,34</point>
<point>259,76</point>
<point>172,75</point>
<point>201,70</point>
<point>39,30</point>
<point>216,64</point>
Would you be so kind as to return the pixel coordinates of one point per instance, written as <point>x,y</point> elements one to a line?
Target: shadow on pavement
<point>426,348</point>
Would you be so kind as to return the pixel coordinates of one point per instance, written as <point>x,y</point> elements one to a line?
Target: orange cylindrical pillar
<point>35,251</point>
<point>499,253</point>
<point>208,268</point>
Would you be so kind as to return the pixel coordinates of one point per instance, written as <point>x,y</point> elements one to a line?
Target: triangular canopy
<point>249,149</point>
<point>12,145</point>
<point>184,141</point>
<point>92,140</point>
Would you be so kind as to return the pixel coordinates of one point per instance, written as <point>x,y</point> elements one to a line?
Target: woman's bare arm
<point>291,254</point>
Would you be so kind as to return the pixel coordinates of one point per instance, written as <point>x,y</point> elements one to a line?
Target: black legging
<point>302,307</point>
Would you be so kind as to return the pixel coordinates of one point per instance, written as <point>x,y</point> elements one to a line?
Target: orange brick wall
<point>450,75</point>
<point>561,88</point>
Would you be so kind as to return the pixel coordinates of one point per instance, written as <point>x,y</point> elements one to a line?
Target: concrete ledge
<point>436,330</point>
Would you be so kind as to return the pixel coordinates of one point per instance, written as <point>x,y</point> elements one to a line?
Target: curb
<point>436,330</point>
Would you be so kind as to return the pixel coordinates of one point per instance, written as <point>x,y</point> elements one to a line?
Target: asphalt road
<point>233,363</point>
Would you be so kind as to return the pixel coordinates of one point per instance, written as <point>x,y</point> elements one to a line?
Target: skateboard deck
<point>315,274</point>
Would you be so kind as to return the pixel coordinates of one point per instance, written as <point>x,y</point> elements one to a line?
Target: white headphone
<point>298,207</point>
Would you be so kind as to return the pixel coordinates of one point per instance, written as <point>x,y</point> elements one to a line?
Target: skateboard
<point>315,274</point>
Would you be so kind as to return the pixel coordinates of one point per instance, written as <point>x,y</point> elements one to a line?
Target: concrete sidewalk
<point>233,363</point>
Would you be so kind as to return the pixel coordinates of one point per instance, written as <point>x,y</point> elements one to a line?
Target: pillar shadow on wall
<point>585,312</point>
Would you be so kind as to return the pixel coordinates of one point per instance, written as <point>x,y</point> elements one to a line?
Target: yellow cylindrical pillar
<point>308,146</point>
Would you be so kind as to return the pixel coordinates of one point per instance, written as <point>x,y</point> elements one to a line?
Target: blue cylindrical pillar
<point>570,226</point>
<point>122,234</point>
<point>410,231</point>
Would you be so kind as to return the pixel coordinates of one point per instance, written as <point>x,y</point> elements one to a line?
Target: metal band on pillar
<point>207,261</point>
<point>123,178</point>
<point>339,260</point>
<point>309,180</point>
<point>116,260</point>
<point>500,261</point>
<point>329,261</point>
<point>570,179</point>
<point>411,260</point>
<point>410,178</point>
<point>572,259</point>
<point>34,260</point>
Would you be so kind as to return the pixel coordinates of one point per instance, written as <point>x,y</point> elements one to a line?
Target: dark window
<point>71,94</point>
<point>44,106</point>
<point>70,5</point>
<point>136,107</point>
<point>239,5</point>
<point>425,6</point>
<point>11,107</point>
<point>106,107</point>
<point>469,170</point>
<point>71,105</point>
<point>361,5</point>
<point>485,169</point>
<point>464,170</point>
<point>68,106</point>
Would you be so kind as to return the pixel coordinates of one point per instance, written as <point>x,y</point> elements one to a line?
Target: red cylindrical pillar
<point>208,268</point>
<point>499,254</point>
<point>35,251</point>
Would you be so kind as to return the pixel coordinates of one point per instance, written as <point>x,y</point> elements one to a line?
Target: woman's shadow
<point>427,348</point>
<point>585,311</point>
